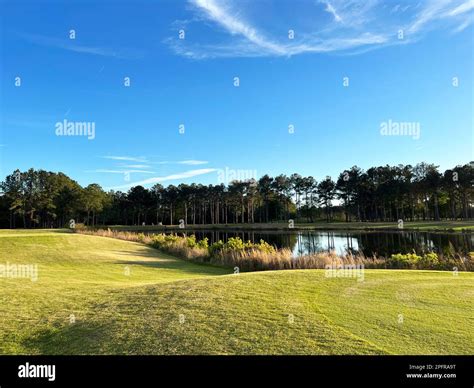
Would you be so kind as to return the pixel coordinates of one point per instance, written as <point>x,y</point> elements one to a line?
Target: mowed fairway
<point>96,295</point>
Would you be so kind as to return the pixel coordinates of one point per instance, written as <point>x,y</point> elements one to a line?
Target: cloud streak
<point>105,171</point>
<point>330,8</point>
<point>186,162</point>
<point>462,8</point>
<point>172,177</point>
<point>139,159</point>
<point>236,26</point>
<point>71,45</point>
<point>139,166</point>
<point>355,25</point>
<point>193,162</point>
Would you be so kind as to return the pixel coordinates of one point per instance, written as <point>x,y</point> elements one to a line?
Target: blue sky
<point>405,62</point>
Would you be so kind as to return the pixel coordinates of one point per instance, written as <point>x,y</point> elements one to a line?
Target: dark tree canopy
<point>37,198</point>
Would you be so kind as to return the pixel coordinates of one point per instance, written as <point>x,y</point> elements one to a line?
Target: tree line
<point>38,198</point>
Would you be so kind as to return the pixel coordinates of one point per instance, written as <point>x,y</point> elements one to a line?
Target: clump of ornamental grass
<point>325,259</point>
<point>186,247</point>
<point>248,256</point>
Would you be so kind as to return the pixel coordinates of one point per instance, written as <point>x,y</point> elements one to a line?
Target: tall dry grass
<point>256,260</point>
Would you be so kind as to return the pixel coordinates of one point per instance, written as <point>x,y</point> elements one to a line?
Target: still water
<point>366,242</point>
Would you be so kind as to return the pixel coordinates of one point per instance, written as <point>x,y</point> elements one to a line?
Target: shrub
<point>204,243</point>
<point>410,260</point>
<point>263,246</point>
<point>216,247</point>
<point>429,261</point>
<point>234,244</point>
<point>191,241</point>
<point>158,240</point>
<point>171,238</point>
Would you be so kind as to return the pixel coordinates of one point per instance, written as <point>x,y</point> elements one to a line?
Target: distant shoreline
<point>443,226</point>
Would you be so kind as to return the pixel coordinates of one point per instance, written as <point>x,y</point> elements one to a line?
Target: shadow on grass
<point>203,269</point>
<point>71,339</point>
<point>161,260</point>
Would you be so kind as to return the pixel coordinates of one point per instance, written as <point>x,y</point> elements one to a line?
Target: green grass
<point>169,306</point>
<point>441,226</point>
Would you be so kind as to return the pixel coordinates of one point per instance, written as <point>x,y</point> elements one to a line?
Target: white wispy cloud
<point>177,176</point>
<point>139,159</point>
<point>219,14</point>
<point>193,162</point>
<point>427,14</point>
<point>456,11</point>
<point>356,25</point>
<point>72,45</point>
<point>105,171</point>
<point>464,24</point>
<point>253,42</point>
<point>462,8</point>
<point>142,165</point>
<point>330,8</point>
<point>139,166</point>
<point>187,162</point>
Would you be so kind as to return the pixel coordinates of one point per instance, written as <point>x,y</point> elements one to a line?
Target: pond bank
<point>248,256</point>
<point>427,226</point>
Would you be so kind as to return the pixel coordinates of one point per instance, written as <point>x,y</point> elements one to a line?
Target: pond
<point>366,242</point>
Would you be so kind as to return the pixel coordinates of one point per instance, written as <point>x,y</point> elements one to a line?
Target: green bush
<point>412,260</point>
<point>204,243</point>
<point>158,240</point>
<point>235,244</point>
<point>400,260</point>
<point>171,238</point>
<point>429,260</point>
<point>264,247</point>
<point>216,247</point>
<point>191,241</point>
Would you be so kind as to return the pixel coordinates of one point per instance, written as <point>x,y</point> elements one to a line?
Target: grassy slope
<point>440,226</point>
<point>257,313</point>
